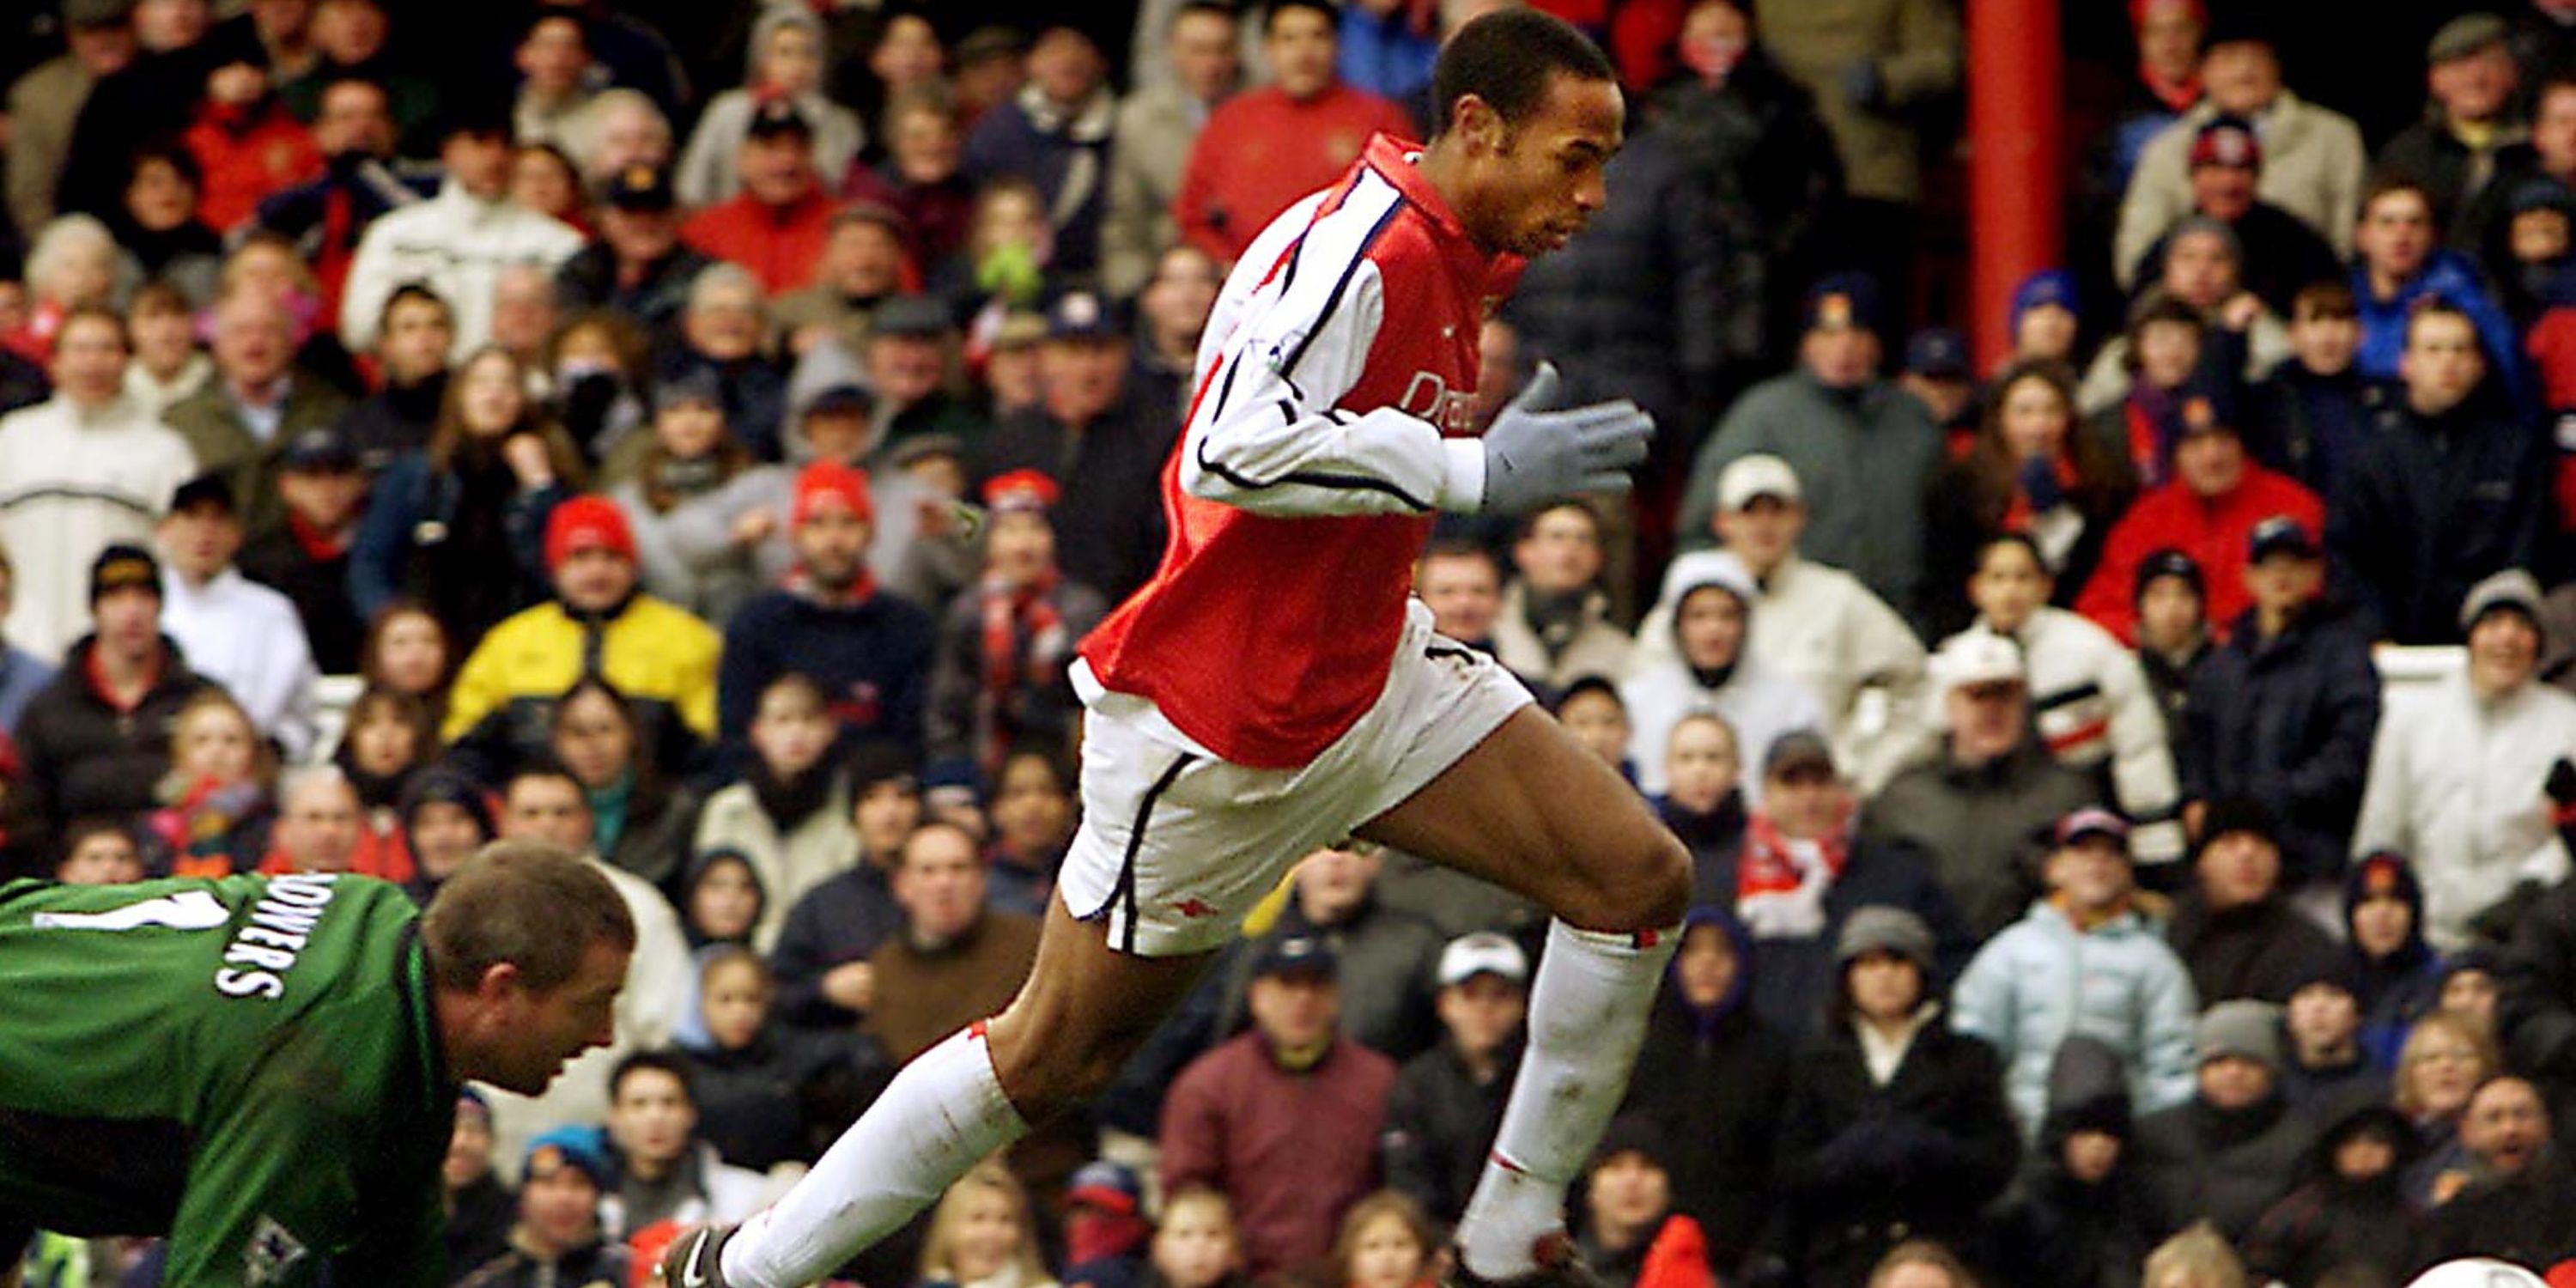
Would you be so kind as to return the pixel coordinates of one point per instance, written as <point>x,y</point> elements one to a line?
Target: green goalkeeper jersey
<point>250,1065</point>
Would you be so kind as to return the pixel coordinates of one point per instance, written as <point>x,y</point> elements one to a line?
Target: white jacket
<point>2090,701</point>
<point>458,244</point>
<point>725,1194</point>
<point>1760,704</point>
<point>72,483</point>
<point>825,845</point>
<point>249,639</point>
<point>658,985</point>
<point>2456,785</point>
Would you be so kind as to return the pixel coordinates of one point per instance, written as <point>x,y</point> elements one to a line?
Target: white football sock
<point>943,1114</point>
<point>1587,1014</point>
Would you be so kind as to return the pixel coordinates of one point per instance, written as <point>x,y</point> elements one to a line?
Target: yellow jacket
<point>655,653</point>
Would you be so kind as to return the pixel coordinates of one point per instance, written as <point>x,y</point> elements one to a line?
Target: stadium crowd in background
<point>2130,788</point>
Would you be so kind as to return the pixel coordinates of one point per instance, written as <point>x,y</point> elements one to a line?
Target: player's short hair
<point>652,1061</point>
<point>1508,59</point>
<point>527,903</point>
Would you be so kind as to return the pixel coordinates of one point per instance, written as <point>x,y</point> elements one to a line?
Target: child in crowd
<point>1592,710</point>
<point>445,821</point>
<point>1196,1246</point>
<point>99,851</point>
<point>1386,1242</point>
<point>981,1235</point>
<point>1033,815</point>
<point>768,1094</point>
<point>216,801</point>
<point>790,816</point>
<point>391,739</point>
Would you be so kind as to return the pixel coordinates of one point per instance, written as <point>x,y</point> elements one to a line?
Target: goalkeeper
<point>265,1068</point>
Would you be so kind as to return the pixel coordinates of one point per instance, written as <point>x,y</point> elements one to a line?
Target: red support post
<point>2016,180</point>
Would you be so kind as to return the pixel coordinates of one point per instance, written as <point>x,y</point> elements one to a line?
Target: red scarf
<point>1767,867</point>
<point>2177,95</point>
<point>318,544</point>
<point>1012,615</point>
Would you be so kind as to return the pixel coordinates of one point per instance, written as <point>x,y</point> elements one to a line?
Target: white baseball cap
<point>1749,478</point>
<point>1977,656</point>
<point>1482,953</point>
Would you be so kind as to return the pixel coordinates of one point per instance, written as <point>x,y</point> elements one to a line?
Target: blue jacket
<point>21,674</point>
<point>2454,278</point>
<point>468,542</point>
<point>2041,981</point>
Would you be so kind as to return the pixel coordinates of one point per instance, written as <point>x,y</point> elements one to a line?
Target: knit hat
<point>1104,1184</point>
<point>877,762</point>
<point>2088,1090</point>
<point>584,1149</point>
<point>2511,590</point>
<point>1633,1133</point>
<point>587,523</point>
<point>2239,814</point>
<point>442,786</point>
<point>2470,33</point>
<point>1879,928</point>
<point>2169,562</point>
<point>1843,300</point>
<point>2241,1027</point>
<point>2383,873</point>
<point>831,483</point>
<point>123,567</point>
<point>2049,288</point>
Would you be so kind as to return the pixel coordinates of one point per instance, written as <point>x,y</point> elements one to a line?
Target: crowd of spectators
<point>2130,787</point>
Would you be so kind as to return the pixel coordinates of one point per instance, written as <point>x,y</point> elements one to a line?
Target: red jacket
<point>1262,151</point>
<point>2212,532</point>
<point>246,158</point>
<point>1292,1151</point>
<point>781,245</point>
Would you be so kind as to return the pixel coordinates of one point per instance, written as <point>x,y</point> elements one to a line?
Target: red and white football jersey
<point>1330,420</point>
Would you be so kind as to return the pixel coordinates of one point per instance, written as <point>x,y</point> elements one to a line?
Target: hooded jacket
<point>2053,1229</point>
<point>706,173</point>
<point>2332,1221</point>
<point>1756,702</point>
<point>2287,721</point>
<point>2042,980</point>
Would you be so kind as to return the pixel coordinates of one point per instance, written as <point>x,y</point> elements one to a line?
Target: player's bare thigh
<point>1532,811</point>
<point>1083,1010</point>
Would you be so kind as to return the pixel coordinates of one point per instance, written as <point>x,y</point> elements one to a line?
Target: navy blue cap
<point>1296,955</point>
<point>1937,353</point>
<point>843,397</point>
<point>320,448</point>
<point>642,186</point>
<point>1081,315</point>
<point>2280,535</point>
<point>2169,562</point>
<point>1841,300</point>
<point>778,118</point>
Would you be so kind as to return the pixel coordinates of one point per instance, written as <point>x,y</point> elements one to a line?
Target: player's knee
<point>1045,1074</point>
<point>1646,888</point>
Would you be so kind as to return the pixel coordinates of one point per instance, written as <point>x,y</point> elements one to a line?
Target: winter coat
<point>842,920</point>
<point>2212,530</point>
<point>1866,460</point>
<point>1292,1151</point>
<point>1040,707</point>
<point>2453,173</point>
<point>456,243</point>
<point>2536,997</point>
<point>589,280</point>
<point>222,440</point>
<point>1911,51</point>
<point>1066,154</point>
<point>1715,841</point>
<point>2529,1219</point>
<point>1795,976</point>
<point>73,482</point>
<point>248,638</point>
<point>2311,427</point>
<point>782,245</point>
<point>1632,306</point>
<point>596,1262</point>
<point>22,676</point>
<point>2450,276</point>
<point>1758,704</point>
<point>2312,167</point>
<point>820,846</point>
<point>2052,1231</point>
<point>706,172</point>
<point>1262,151</point>
<point>687,554</point>
<point>761,1105</point>
<point>2091,705</point>
<point>1596,647</point>
<point>1820,625</point>
<point>2330,1222</point>
<point>1149,143</point>
<point>2456,786</point>
<point>2263,950</point>
<point>2431,506</point>
<point>2287,721</point>
<point>468,541</point>
<point>873,659</point>
<point>1864,1167</point>
<point>2042,980</point>
<point>661,659</point>
<point>1440,1126</point>
<point>1981,828</point>
<point>1716,1083</point>
<point>83,757</point>
<point>2279,254</point>
<point>2223,1166</point>
<point>1110,525</point>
